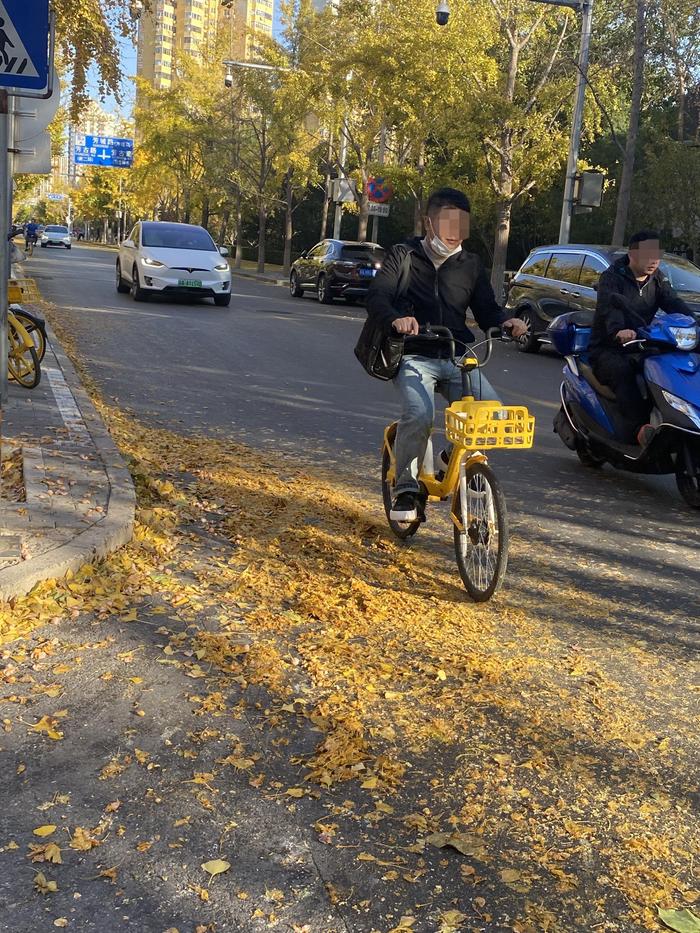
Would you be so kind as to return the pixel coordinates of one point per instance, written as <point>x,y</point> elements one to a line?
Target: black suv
<point>557,279</point>
<point>336,269</point>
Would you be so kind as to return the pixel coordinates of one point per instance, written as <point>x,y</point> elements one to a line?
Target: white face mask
<point>439,248</point>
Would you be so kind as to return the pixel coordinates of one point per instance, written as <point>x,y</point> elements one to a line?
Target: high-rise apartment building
<point>247,21</point>
<point>171,27</point>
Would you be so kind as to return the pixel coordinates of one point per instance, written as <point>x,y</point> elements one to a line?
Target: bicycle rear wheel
<point>402,530</point>
<point>22,361</point>
<point>481,548</point>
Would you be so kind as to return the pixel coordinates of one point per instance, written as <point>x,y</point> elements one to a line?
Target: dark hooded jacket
<point>626,304</point>
<point>433,296</point>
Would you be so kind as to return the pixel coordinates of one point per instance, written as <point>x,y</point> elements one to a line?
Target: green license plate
<point>190,283</point>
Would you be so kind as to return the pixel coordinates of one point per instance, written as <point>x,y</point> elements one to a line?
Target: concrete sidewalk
<point>75,500</point>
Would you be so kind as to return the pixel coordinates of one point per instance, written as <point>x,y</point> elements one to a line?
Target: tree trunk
<point>505,186</point>
<point>418,205</point>
<point>625,192</point>
<point>262,224</point>
<point>500,249</point>
<point>223,226</point>
<point>681,98</point>
<point>288,225</point>
<point>205,212</point>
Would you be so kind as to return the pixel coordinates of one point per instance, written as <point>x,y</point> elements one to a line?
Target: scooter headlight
<point>680,404</point>
<point>686,337</point>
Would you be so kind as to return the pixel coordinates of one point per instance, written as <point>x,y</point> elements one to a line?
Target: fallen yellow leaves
<point>83,840</point>
<point>47,725</point>
<point>45,830</point>
<point>216,866</point>
<point>44,886</point>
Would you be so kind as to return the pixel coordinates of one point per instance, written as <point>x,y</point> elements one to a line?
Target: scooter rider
<point>630,293</point>
<point>444,282</point>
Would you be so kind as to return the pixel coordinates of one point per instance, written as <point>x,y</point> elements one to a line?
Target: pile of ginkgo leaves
<point>494,735</point>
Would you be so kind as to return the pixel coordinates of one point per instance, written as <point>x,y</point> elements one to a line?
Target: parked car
<point>557,279</point>
<point>55,235</point>
<point>336,269</point>
<point>167,258</point>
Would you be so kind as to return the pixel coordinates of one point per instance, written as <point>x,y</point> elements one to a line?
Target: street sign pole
<point>4,245</point>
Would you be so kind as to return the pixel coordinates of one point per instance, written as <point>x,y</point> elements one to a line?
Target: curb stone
<point>104,536</point>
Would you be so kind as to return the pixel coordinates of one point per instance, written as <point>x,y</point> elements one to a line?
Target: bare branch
<point>548,70</point>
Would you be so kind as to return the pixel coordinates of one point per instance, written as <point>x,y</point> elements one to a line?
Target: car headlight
<point>147,261</point>
<point>680,404</point>
<point>686,337</point>
<point>221,267</point>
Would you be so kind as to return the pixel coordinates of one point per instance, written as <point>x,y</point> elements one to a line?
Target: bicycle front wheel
<point>29,323</point>
<point>22,361</point>
<point>481,546</point>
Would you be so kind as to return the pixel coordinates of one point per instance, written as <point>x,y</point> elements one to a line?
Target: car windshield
<point>363,251</point>
<point>172,236</point>
<point>682,274</point>
<point>57,229</point>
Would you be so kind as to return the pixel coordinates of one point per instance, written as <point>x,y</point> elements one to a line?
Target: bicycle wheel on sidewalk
<point>34,326</point>
<point>481,544</point>
<point>22,359</point>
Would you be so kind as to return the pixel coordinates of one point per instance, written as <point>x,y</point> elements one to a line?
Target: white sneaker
<point>404,508</point>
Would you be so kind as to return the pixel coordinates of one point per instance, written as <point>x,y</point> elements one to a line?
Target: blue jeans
<point>417,380</point>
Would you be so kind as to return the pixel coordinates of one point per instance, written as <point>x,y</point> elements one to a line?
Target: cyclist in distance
<point>443,282</point>
<point>31,233</point>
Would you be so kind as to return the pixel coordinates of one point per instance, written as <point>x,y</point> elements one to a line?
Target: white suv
<point>168,258</point>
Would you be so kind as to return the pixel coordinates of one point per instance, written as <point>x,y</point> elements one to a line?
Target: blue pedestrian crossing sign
<point>107,151</point>
<point>24,44</point>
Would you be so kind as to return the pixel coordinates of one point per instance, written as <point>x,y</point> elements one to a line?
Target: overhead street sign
<point>24,43</point>
<point>108,151</point>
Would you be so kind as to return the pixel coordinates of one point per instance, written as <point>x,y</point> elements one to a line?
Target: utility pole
<point>374,236</point>
<point>586,8</point>
<point>4,242</point>
<point>341,176</point>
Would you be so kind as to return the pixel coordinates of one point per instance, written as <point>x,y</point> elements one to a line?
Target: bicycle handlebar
<point>438,332</point>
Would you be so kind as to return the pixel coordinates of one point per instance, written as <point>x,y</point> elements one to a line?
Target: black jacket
<point>433,296</point>
<point>625,304</point>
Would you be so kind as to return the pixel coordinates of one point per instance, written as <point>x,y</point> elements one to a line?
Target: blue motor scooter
<point>589,423</point>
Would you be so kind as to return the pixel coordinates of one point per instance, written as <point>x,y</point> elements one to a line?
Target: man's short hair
<point>642,236</point>
<point>448,197</point>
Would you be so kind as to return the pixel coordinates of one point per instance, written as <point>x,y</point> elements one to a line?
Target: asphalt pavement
<point>272,370</point>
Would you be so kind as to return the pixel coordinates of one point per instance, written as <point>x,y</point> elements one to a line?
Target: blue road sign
<point>108,151</point>
<point>24,43</point>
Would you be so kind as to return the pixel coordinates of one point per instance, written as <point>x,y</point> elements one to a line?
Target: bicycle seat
<point>598,387</point>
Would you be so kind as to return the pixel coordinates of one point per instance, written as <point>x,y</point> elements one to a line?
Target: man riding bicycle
<point>444,281</point>
<point>31,233</point>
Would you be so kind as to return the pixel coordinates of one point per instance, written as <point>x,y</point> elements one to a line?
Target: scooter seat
<point>600,389</point>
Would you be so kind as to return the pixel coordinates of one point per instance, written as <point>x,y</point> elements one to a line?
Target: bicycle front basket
<point>477,425</point>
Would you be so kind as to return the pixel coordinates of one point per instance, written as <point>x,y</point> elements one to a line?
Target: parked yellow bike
<point>22,359</point>
<point>478,506</point>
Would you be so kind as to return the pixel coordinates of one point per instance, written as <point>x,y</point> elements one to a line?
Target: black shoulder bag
<point>380,352</point>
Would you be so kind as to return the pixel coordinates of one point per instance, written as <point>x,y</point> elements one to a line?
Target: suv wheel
<point>324,292</point>
<point>295,289</point>
<point>529,343</point>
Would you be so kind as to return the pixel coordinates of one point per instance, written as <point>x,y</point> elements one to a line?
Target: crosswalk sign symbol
<point>23,44</point>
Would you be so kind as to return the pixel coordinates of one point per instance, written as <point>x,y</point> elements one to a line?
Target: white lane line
<point>70,413</point>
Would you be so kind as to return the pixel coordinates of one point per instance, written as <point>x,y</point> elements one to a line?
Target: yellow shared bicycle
<point>22,356</point>
<point>478,506</point>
